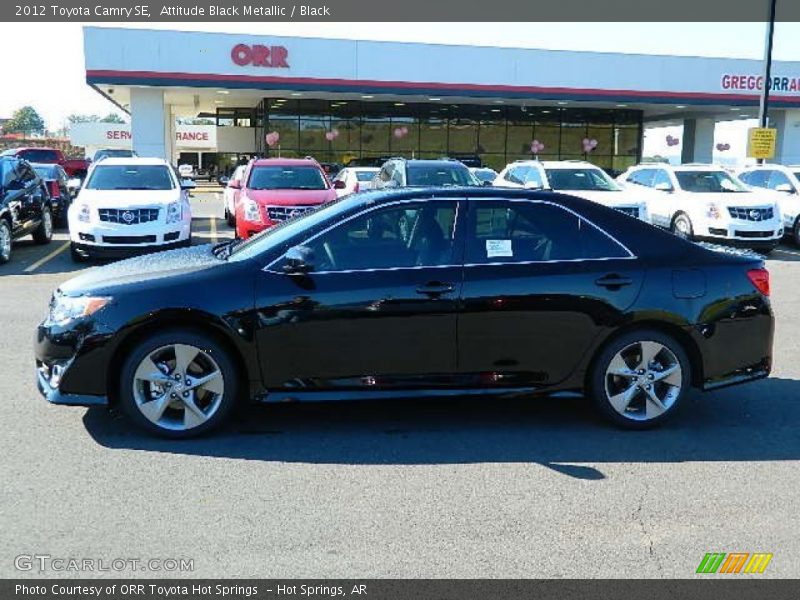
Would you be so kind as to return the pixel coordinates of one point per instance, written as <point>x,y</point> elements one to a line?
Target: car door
<point>30,196</point>
<point>377,309</point>
<point>540,283</point>
<point>663,197</point>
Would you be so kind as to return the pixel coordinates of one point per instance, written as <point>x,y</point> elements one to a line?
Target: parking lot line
<point>43,260</point>
<point>792,252</point>
<point>213,225</point>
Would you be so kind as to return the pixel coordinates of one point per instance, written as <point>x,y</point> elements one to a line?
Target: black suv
<point>404,172</point>
<point>24,205</point>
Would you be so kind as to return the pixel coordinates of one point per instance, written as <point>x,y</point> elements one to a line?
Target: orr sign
<point>273,57</point>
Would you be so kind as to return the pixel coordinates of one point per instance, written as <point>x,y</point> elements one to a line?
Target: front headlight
<point>174,212</point>
<point>713,211</point>
<point>84,213</point>
<point>251,211</point>
<point>64,309</point>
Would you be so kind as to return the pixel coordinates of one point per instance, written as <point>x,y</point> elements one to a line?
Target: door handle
<point>434,289</point>
<point>613,281</point>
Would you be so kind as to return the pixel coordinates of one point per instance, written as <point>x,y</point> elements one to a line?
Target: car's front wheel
<point>230,218</point>
<point>639,379</point>
<point>178,383</point>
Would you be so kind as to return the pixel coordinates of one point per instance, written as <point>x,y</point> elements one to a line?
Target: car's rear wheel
<point>639,379</point>
<point>179,383</point>
<point>5,241</point>
<point>682,226</point>
<point>796,232</point>
<point>44,232</point>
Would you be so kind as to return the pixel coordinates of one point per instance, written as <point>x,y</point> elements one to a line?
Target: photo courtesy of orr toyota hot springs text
<point>411,301</point>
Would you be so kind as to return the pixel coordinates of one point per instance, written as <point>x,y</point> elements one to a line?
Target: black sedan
<point>437,292</point>
<point>24,205</point>
<point>56,180</point>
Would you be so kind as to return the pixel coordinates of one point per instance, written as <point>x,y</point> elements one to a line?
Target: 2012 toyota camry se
<point>442,292</point>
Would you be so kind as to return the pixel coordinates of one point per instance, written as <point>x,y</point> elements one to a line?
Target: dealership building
<point>339,100</point>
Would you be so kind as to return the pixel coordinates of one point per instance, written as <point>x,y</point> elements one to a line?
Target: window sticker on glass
<point>495,248</point>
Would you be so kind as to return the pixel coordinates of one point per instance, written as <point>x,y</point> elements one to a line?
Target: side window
<point>386,172</point>
<point>514,175</point>
<point>397,175</point>
<point>661,180</point>
<point>778,178</point>
<point>757,178</point>
<point>407,235</point>
<point>642,177</point>
<point>502,232</point>
<point>532,175</point>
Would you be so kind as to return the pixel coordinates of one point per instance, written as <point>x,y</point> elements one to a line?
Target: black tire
<point>75,255</point>
<point>676,228</point>
<point>44,232</point>
<point>796,232</point>
<point>230,219</point>
<point>5,247</point>
<point>600,381</point>
<point>209,347</point>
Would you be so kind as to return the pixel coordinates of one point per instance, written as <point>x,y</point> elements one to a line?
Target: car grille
<point>128,216</point>
<point>631,211</point>
<point>751,214</point>
<point>129,239</point>
<point>754,234</point>
<point>283,213</point>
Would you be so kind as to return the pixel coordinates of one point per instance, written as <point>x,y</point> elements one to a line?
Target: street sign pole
<point>763,107</point>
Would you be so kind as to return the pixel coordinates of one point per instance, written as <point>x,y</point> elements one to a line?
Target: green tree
<point>25,120</point>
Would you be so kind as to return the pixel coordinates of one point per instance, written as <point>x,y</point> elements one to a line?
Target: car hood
<point>613,198</point>
<point>127,198</point>
<point>143,269</point>
<point>737,198</point>
<point>291,197</point>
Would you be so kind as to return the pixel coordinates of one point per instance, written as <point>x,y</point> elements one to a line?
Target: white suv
<point>705,202</point>
<point>785,182</point>
<point>129,205</point>
<point>574,177</point>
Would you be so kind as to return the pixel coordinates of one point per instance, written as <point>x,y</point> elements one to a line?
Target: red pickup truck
<point>74,167</point>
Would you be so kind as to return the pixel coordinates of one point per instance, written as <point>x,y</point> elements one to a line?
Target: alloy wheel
<point>683,228</point>
<point>47,221</point>
<point>643,380</point>
<point>5,243</point>
<point>178,387</point>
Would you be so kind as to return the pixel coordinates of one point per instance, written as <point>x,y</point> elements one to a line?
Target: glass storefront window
<point>433,135</point>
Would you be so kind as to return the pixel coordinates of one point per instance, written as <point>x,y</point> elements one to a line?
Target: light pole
<point>763,106</point>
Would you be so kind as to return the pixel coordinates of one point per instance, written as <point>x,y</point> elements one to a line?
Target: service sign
<point>118,135</point>
<point>761,142</point>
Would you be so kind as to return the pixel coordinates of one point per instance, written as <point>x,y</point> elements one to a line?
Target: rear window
<point>366,175</point>
<point>581,179</point>
<point>130,177</point>
<point>38,155</point>
<point>708,182</point>
<point>46,171</point>
<point>275,177</point>
<point>439,175</point>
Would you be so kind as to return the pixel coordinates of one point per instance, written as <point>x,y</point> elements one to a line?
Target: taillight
<point>355,189</point>
<point>760,279</point>
<point>54,191</point>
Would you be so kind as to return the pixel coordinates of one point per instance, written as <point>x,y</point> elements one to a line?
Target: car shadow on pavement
<point>755,422</point>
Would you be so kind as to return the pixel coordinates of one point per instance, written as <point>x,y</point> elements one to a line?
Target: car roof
<point>441,162</point>
<point>567,164</point>
<point>285,162</point>
<point>131,160</point>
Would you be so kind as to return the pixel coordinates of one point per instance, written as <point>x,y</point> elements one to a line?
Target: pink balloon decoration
<point>329,136</point>
<point>723,147</point>
<point>400,132</point>
<point>272,138</point>
<point>536,147</point>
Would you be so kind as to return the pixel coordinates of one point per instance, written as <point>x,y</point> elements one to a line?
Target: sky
<point>57,87</point>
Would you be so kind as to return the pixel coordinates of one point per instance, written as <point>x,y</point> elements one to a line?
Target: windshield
<point>280,234</point>
<point>275,177</point>
<point>439,175</point>
<point>130,177</point>
<point>6,172</point>
<point>46,171</point>
<point>581,179</point>
<point>366,175</point>
<point>37,155</point>
<point>708,182</point>
<point>485,174</point>
<point>797,174</point>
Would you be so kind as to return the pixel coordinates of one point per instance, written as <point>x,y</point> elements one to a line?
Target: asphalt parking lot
<point>471,489</point>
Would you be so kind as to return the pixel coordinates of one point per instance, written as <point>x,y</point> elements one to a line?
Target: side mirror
<point>786,188</point>
<point>663,187</point>
<point>299,260</point>
<point>223,180</point>
<point>339,184</point>
<point>188,184</point>
<point>235,184</point>
<point>487,183</point>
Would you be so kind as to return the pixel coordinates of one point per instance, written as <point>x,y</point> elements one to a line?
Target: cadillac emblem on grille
<point>755,215</point>
<point>128,217</point>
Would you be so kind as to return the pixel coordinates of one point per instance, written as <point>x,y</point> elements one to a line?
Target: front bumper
<point>153,235</point>
<point>121,251</point>
<point>743,233</point>
<point>51,393</point>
